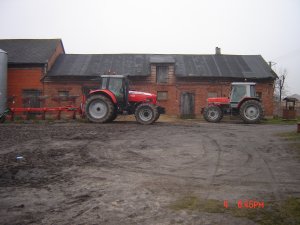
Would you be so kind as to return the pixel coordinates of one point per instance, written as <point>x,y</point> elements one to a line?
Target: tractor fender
<point>106,93</point>
<point>247,99</point>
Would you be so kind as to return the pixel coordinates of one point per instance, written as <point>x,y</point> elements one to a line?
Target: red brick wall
<point>267,90</point>
<point>174,87</point>
<point>22,79</point>
<point>51,89</point>
<point>200,91</point>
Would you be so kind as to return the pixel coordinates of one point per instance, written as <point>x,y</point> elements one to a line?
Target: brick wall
<point>51,89</point>
<point>174,86</point>
<point>22,79</point>
<point>201,91</point>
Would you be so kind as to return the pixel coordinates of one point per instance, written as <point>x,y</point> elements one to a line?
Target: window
<point>116,86</point>
<point>238,92</point>
<point>63,94</point>
<point>212,94</point>
<point>252,91</point>
<point>162,74</point>
<point>162,95</point>
<point>31,98</point>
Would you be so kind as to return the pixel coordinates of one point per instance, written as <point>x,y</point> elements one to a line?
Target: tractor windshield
<point>237,93</point>
<point>116,86</point>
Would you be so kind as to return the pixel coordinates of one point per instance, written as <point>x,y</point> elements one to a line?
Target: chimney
<point>218,51</point>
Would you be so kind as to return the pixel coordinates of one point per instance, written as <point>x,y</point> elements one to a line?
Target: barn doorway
<point>187,105</point>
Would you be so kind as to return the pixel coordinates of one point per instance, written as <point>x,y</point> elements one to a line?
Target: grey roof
<point>29,50</point>
<point>92,65</point>
<point>229,66</point>
<point>161,59</point>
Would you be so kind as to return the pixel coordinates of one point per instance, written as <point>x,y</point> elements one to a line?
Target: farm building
<point>181,82</point>
<point>28,62</point>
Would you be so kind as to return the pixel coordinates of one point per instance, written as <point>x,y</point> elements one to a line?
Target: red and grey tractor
<point>114,98</point>
<point>242,101</point>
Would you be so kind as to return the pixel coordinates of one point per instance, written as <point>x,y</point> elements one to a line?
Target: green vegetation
<point>292,139</point>
<point>290,136</point>
<point>195,204</point>
<point>281,121</point>
<point>286,212</point>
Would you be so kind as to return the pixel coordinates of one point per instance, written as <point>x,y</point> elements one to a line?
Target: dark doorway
<point>187,105</point>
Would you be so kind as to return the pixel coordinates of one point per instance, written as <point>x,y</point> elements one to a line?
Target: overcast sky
<point>270,28</point>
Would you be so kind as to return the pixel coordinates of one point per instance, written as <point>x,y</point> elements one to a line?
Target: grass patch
<point>280,121</point>
<point>293,141</point>
<point>286,212</point>
<point>195,204</point>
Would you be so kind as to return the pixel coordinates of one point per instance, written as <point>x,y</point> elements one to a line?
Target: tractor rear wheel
<point>146,113</point>
<point>99,109</point>
<point>251,111</point>
<point>213,113</point>
<point>114,116</point>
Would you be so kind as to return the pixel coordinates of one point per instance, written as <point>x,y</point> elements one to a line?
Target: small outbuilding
<point>289,112</point>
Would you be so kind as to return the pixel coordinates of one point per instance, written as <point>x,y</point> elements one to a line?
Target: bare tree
<point>280,85</point>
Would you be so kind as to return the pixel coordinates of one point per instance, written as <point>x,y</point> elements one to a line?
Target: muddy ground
<point>125,173</point>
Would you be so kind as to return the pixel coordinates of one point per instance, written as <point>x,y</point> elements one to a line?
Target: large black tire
<point>146,113</point>
<point>114,116</point>
<point>251,111</point>
<point>99,109</point>
<point>213,114</point>
<point>157,117</point>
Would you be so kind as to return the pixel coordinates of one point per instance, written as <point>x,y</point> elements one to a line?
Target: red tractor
<point>243,102</point>
<point>114,97</point>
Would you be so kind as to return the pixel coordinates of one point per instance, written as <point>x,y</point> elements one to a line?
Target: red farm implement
<point>39,112</point>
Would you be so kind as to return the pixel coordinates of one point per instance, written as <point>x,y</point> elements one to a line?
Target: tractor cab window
<point>237,93</point>
<point>104,83</point>
<point>252,91</point>
<point>116,86</point>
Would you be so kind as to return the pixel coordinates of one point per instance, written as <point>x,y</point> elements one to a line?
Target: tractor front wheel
<point>251,111</point>
<point>99,109</point>
<point>146,114</point>
<point>213,113</point>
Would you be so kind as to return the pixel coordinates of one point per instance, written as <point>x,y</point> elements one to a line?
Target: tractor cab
<point>119,86</point>
<point>241,90</point>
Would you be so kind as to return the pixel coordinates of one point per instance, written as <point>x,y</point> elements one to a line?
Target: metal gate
<point>187,105</point>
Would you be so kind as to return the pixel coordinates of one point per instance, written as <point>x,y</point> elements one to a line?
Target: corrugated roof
<point>29,50</point>
<point>230,66</point>
<point>92,65</point>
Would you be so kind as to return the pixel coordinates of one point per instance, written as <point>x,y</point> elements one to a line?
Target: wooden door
<point>187,105</point>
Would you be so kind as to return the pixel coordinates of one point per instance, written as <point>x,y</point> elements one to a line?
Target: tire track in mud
<point>274,182</point>
<point>216,168</point>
